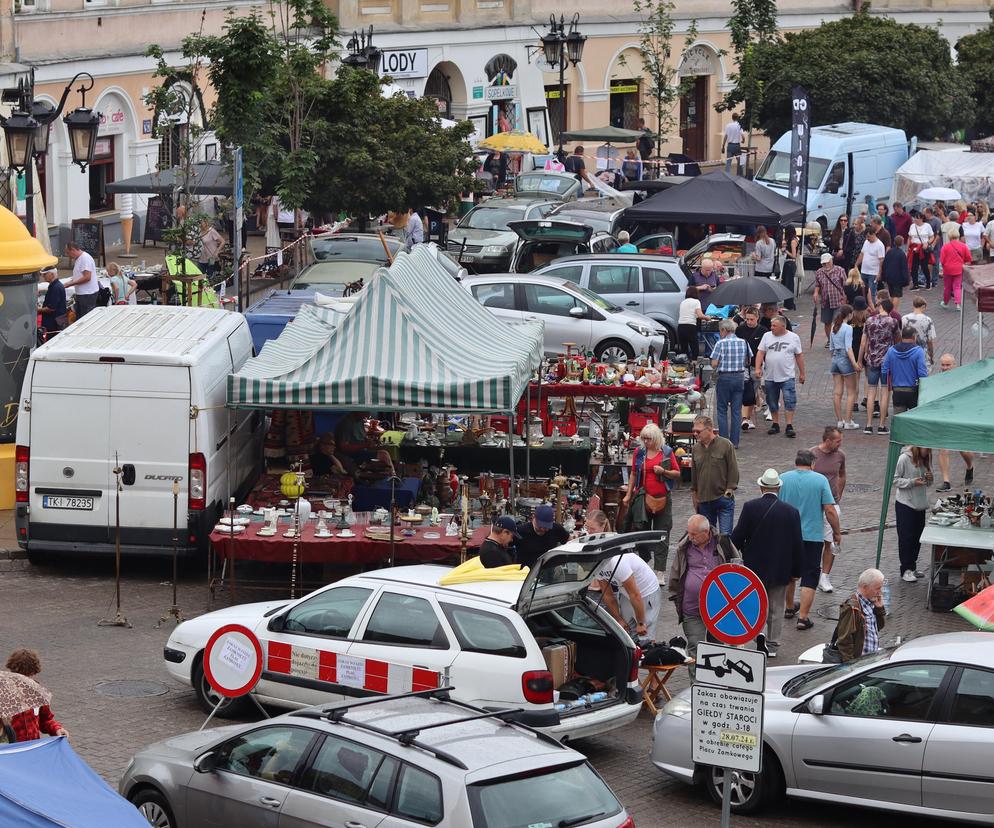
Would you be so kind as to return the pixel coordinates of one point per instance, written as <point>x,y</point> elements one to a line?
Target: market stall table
<point>572,457</point>
<point>955,551</point>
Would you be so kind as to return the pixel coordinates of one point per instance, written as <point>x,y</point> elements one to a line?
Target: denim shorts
<point>872,375</point>
<point>842,365</point>
<point>773,391</point>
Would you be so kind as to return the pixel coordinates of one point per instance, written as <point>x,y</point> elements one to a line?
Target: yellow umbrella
<point>514,142</point>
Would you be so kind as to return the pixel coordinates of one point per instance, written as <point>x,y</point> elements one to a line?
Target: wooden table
<point>654,684</point>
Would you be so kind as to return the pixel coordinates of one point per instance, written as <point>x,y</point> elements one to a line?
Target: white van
<point>848,162</point>
<point>143,389</point>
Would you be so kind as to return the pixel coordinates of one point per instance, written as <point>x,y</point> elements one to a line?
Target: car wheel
<point>750,791</point>
<point>209,697</point>
<point>153,806</point>
<point>614,350</point>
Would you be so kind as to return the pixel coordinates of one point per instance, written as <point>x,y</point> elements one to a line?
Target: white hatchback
<point>499,643</point>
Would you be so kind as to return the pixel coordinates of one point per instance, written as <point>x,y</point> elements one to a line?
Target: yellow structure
<point>19,252</point>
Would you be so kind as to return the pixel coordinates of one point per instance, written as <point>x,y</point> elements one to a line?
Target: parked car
<point>563,186</point>
<point>571,313</point>
<point>544,241</point>
<point>404,760</point>
<point>483,241</point>
<point>488,639</point>
<point>651,285</point>
<point>601,213</point>
<point>909,730</point>
<point>342,258</point>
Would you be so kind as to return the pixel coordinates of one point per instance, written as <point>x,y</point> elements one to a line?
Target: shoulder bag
<point>656,503</point>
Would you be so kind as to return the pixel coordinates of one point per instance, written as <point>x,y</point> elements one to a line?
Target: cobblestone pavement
<point>55,609</point>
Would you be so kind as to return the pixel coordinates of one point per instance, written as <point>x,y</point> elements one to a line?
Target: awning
<point>209,179</point>
<point>416,340</point>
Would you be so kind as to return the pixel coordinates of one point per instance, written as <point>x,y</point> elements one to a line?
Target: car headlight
<point>642,330</point>
<point>494,250</point>
<point>676,707</point>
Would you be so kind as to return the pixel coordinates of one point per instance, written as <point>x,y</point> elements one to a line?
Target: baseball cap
<point>507,523</point>
<point>544,517</point>
<point>826,257</point>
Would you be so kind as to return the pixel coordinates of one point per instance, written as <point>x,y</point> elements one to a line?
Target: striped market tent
<point>415,340</point>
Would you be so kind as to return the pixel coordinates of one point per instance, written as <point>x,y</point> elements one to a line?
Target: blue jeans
<point>775,389</point>
<point>720,512</point>
<point>732,156</point>
<point>871,286</point>
<point>730,394</point>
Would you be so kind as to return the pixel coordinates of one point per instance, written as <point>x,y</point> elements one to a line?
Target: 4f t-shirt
<point>779,356</point>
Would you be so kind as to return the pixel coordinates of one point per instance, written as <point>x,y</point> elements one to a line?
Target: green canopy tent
<point>954,412</point>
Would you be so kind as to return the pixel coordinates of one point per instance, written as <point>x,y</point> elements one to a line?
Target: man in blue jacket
<point>903,368</point>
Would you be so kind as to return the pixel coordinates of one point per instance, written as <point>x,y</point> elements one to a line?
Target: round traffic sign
<point>233,660</point>
<point>733,604</point>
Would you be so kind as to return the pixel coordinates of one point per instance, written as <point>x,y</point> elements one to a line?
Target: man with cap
<point>539,535</point>
<point>830,290</point>
<point>496,549</point>
<point>768,533</point>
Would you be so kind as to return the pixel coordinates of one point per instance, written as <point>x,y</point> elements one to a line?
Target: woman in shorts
<point>844,368</point>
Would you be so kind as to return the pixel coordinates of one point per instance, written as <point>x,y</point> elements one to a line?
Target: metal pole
<point>510,457</point>
<point>562,96</point>
<point>726,798</point>
<point>29,196</point>
<point>528,443</point>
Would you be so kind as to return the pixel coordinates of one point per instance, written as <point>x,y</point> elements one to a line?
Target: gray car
<point>482,240</point>
<point>418,759</point>
<point>909,730</point>
<point>650,285</point>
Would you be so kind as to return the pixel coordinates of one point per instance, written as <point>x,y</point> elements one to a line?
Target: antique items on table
<point>959,532</point>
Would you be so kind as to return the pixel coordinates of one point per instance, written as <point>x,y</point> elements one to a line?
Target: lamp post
<point>26,133</point>
<point>362,53</point>
<point>561,47</point>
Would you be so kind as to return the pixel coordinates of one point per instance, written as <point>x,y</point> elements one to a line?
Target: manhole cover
<point>861,488</point>
<point>131,689</point>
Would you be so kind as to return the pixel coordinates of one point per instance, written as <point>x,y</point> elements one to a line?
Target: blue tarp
<point>44,784</point>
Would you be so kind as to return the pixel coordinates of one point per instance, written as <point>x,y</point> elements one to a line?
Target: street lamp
<point>82,124</point>
<point>562,48</point>
<point>362,53</point>
<point>20,130</point>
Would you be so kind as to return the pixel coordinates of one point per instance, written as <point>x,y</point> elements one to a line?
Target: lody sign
<point>407,63</point>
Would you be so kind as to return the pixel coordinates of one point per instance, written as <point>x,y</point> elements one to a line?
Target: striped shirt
<point>734,355</point>
<point>871,637</point>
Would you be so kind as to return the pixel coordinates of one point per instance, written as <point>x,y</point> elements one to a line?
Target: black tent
<point>208,179</point>
<point>717,198</point>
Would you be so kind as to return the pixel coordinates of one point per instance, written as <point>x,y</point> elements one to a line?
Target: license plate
<point>67,502</point>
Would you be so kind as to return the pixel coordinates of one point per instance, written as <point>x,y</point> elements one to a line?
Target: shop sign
<point>552,94</point>
<point>502,93</point>
<point>111,122</point>
<point>623,88</point>
<point>477,93</point>
<point>407,63</point>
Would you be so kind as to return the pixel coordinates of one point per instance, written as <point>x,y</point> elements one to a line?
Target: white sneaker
<point>852,424</point>
<point>840,424</point>
<point>909,576</point>
<point>661,577</point>
<point>824,584</point>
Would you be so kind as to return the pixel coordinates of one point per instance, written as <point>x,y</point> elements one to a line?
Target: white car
<point>571,314</point>
<point>498,643</point>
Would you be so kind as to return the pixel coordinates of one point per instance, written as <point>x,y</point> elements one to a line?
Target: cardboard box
<point>560,658</point>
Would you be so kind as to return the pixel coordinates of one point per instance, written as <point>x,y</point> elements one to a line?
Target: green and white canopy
<point>415,340</point>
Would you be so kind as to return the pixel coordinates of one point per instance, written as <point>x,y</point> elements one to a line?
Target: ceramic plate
<point>290,534</point>
<point>323,535</point>
<point>345,533</point>
<point>432,535</point>
<point>244,509</point>
<point>238,521</point>
<point>266,533</point>
<point>228,529</point>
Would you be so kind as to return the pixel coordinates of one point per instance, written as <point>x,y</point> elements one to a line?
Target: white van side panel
<point>245,438</point>
<point>212,417</point>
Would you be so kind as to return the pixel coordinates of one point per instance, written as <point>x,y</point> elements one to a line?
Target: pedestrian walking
<point>912,476</point>
<point>903,369</point>
<point>836,241</point>
<point>751,332</point>
<point>854,288</point>
<point>781,355</point>
<point>698,552</point>
<point>764,254</point>
<point>830,462</point>
<point>870,263</point>
<point>731,143</point>
<point>886,239</point>
<point>924,327</point>
<point>901,220</point>
<point>31,724</point>
<point>648,504</point>
<point>946,363</point>
<point>791,256</point>
<point>861,617</point>
<point>809,493</point>
<point>732,359</point>
<point>852,243</point>
<point>844,368</point>
<point>714,475</point>
<point>883,212</point>
<point>768,533</point>
<point>830,292</point>
<point>895,269</point>
<point>84,279</point>
<point>972,233</point>
<point>955,254</point>
<point>878,338</point>
<point>860,314</point>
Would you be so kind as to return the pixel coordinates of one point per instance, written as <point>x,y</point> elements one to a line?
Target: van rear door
<point>70,473</point>
<point>149,428</point>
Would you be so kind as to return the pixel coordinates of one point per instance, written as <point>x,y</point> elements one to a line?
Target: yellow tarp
<point>473,571</point>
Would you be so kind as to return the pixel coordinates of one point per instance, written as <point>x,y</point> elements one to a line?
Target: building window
<point>101,172</point>
<point>625,103</point>
<point>558,107</point>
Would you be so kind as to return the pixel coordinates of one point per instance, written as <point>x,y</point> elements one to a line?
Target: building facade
<point>478,59</point>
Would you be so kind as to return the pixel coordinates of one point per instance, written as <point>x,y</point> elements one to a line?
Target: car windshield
<point>352,248</point>
<point>807,682</point>
<point>776,170</point>
<point>542,183</point>
<point>593,298</point>
<point>490,218</point>
<point>573,795</point>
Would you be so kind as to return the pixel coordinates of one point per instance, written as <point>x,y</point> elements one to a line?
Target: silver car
<point>418,759</point>
<point>482,239</point>
<point>908,730</point>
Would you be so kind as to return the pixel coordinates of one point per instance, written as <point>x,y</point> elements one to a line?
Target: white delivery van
<point>848,164</point>
<point>143,389</point>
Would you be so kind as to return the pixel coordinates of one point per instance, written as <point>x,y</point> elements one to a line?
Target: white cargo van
<point>848,162</point>
<point>142,388</point>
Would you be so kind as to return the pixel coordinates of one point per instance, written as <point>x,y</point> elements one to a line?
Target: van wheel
<point>750,791</point>
<point>614,350</point>
<point>208,697</point>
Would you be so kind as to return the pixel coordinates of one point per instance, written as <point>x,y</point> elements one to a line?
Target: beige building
<point>479,59</point>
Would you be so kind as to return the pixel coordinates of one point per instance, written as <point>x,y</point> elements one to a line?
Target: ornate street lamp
<point>20,130</point>
<point>44,113</point>
<point>362,53</point>
<point>561,49</point>
<point>82,124</point>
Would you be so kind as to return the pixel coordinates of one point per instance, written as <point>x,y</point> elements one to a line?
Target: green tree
<point>864,68</point>
<point>974,58</point>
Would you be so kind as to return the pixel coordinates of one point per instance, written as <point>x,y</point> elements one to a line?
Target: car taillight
<point>633,674</point>
<point>537,686</point>
<point>22,462</point>
<point>628,823</point>
<point>198,482</point>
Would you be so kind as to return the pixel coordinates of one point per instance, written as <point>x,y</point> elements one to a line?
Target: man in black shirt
<point>495,550</point>
<point>575,164</point>
<point>539,535</point>
<point>751,332</point>
<point>54,310</point>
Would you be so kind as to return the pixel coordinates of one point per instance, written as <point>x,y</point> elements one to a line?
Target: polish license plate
<point>67,502</point>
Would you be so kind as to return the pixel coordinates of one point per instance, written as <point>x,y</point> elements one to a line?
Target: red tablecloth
<point>560,389</point>
<point>358,550</point>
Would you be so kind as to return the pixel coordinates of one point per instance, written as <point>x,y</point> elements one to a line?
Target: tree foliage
<point>752,22</point>
<point>975,57</point>
<point>864,68</point>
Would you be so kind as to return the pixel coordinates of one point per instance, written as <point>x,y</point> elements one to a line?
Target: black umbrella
<point>749,290</point>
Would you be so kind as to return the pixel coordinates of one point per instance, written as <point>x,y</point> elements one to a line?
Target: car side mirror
<point>207,763</point>
<point>816,705</point>
<point>577,312</point>
<point>276,623</point>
